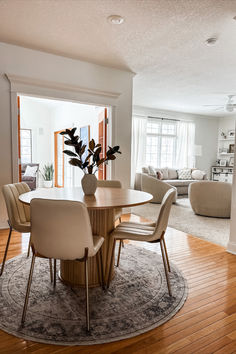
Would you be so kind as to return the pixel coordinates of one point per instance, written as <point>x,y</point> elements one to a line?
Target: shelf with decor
<point>222,173</point>
<point>225,155</point>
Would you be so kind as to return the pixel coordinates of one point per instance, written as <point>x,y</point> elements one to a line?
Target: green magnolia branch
<point>93,159</point>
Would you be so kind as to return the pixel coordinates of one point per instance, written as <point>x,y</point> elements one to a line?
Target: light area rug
<point>136,302</point>
<point>182,218</point>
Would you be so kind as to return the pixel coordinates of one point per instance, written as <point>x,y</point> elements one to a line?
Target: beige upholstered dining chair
<point>18,213</point>
<point>118,211</point>
<point>152,232</point>
<point>65,234</point>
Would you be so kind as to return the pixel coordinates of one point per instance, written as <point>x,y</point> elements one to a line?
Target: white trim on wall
<point>22,82</point>
<point>45,89</point>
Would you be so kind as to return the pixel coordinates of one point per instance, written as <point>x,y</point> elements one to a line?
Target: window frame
<point>31,149</point>
<point>160,136</point>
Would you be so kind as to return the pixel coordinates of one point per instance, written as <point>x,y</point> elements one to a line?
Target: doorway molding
<point>21,85</point>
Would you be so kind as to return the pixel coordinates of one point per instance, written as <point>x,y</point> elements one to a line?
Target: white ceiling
<point>162,41</point>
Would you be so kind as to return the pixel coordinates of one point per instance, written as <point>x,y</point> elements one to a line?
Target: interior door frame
<point>21,86</point>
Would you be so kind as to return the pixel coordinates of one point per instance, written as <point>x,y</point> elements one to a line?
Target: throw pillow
<point>165,172</point>
<point>151,171</point>
<point>198,174</point>
<point>172,173</point>
<point>184,173</point>
<point>31,171</point>
<point>159,174</point>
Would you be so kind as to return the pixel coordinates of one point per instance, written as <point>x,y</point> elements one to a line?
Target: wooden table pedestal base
<point>72,272</point>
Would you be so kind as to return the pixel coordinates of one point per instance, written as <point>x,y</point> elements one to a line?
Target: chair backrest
<point>163,217</point>
<point>109,184</point>
<point>18,213</point>
<point>60,229</point>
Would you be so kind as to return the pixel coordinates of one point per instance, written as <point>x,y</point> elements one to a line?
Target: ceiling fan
<point>229,106</point>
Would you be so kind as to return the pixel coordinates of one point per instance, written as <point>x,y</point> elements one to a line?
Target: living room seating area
<point>158,180</point>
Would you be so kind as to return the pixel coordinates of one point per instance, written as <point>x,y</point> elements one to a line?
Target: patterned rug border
<point>110,340</point>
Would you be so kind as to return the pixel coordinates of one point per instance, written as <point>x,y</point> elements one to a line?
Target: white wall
<point>38,117</point>
<point>60,70</point>
<point>206,133</point>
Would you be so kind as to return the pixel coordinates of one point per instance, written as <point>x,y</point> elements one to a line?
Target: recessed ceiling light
<point>211,41</point>
<point>115,19</point>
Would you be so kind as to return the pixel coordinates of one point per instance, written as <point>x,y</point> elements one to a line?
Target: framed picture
<point>231,133</point>
<point>85,137</point>
<point>231,161</point>
<point>231,148</point>
<point>223,162</point>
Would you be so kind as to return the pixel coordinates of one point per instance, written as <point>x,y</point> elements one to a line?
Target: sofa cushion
<point>144,169</point>
<point>185,173</point>
<point>198,174</point>
<point>164,170</point>
<point>179,182</point>
<point>151,171</point>
<point>172,173</point>
<point>31,171</point>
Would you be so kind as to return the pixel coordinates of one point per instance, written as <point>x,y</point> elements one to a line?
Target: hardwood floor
<point>206,323</point>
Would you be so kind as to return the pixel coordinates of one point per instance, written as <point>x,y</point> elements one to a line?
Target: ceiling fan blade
<point>219,109</point>
<point>212,105</point>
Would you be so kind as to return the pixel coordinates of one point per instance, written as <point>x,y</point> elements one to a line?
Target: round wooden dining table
<point>101,208</point>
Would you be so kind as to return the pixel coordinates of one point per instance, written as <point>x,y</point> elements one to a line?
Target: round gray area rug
<point>136,302</point>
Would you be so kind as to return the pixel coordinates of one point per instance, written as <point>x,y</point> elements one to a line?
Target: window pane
<point>25,133</point>
<point>169,128</point>
<point>167,151</point>
<point>26,145</point>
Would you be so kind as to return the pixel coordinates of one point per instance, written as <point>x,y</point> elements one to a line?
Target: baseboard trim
<point>231,248</point>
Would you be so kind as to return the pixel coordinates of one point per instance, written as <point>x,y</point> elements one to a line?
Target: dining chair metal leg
<point>51,272</point>
<point>28,289</point>
<point>6,250</point>
<point>165,267</point>
<point>28,252</point>
<point>102,271</point>
<point>120,219</point>
<point>55,273</point>
<point>98,269</point>
<point>111,264</point>
<point>87,294</point>
<point>119,252</point>
<point>167,258</point>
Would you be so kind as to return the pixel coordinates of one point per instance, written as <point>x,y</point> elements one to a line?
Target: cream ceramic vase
<point>47,184</point>
<point>89,184</point>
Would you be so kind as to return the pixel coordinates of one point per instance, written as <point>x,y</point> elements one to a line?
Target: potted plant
<point>88,160</point>
<point>47,175</point>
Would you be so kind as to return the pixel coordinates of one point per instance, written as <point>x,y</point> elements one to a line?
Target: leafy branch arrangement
<point>48,172</point>
<point>92,160</point>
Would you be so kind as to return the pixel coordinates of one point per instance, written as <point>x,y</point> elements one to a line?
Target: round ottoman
<point>209,198</point>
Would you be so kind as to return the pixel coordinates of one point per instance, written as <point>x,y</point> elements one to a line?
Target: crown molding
<point>18,82</point>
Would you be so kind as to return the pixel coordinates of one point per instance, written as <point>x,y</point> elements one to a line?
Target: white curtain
<point>138,146</point>
<point>185,145</point>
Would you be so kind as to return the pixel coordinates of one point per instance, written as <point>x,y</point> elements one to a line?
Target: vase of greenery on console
<point>47,174</point>
<point>87,159</point>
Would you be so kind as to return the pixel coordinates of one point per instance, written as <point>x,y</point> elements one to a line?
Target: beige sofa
<point>171,178</point>
<point>210,198</point>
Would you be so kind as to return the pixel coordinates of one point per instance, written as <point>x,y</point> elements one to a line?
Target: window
<point>161,142</point>
<point>63,170</point>
<point>26,145</point>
